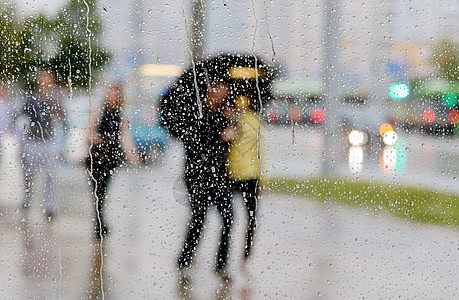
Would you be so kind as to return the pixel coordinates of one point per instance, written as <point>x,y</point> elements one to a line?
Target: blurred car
<point>286,112</point>
<point>436,117</point>
<point>367,125</point>
<point>149,136</point>
<point>432,107</point>
<point>312,109</point>
<point>296,100</point>
<point>276,112</point>
<point>428,115</point>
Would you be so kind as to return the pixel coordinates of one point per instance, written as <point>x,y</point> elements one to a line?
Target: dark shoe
<point>50,215</point>
<point>25,205</point>
<point>224,290</point>
<point>224,277</point>
<point>184,288</point>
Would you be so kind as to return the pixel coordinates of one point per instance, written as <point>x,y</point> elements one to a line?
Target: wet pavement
<point>303,250</point>
<point>416,159</point>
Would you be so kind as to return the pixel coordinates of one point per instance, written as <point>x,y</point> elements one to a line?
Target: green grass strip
<point>413,203</point>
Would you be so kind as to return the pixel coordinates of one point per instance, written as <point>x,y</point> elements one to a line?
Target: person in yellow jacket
<point>243,162</point>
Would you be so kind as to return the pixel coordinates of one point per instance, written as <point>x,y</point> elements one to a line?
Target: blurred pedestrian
<point>110,145</point>
<point>205,178</point>
<point>8,114</point>
<point>40,148</point>
<point>244,161</point>
<point>194,112</point>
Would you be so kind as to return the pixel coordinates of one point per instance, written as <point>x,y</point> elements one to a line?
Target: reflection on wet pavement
<point>415,159</point>
<point>40,256</point>
<point>98,284</point>
<point>302,249</point>
<point>225,289</point>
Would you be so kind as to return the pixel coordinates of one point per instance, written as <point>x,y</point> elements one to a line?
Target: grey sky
<point>292,28</point>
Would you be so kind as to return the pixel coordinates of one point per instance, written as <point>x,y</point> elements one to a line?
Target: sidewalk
<point>303,250</point>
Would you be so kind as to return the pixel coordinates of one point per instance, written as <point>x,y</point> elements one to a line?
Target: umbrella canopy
<point>246,75</point>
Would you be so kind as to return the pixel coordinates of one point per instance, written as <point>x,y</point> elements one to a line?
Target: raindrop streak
<point>199,102</point>
<point>90,155</point>
<point>293,131</point>
<point>258,90</point>
<point>256,25</point>
<point>260,166</point>
<point>70,81</point>
<point>269,33</point>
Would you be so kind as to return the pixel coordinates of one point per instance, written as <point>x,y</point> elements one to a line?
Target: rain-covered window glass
<point>229,149</point>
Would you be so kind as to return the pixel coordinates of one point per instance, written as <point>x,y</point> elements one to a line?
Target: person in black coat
<point>193,112</point>
<point>110,145</point>
<point>205,177</point>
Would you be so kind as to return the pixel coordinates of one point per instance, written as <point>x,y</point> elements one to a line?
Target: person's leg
<point>225,208</point>
<point>49,203</point>
<point>198,203</point>
<point>49,159</point>
<point>249,189</point>
<point>29,168</point>
<point>100,179</point>
<point>28,176</point>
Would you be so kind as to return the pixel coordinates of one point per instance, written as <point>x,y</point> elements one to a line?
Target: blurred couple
<point>216,117</point>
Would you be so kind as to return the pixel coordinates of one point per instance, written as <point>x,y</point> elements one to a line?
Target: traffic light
<point>399,90</point>
<point>450,99</point>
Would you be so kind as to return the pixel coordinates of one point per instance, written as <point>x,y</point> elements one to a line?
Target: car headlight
<point>357,138</point>
<point>390,138</point>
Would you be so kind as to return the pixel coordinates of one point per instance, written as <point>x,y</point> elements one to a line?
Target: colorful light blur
<point>295,115</point>
<point>390,138</point>
<point>160,70</point>
<point>388,160</point>
<point>394,159</point>
<point>357,138</point>
<point>355,158</point>
<point>385,128</point>
<point>318,115</point>
<point>453,116</point>
<point>399,90</point>
<point>450,99</point>
<point>273,114</point>
<point>429,116</point>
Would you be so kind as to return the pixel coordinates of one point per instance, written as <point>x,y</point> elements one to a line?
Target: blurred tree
<point>35,48</point>
<point>80,55</point>
<point>63,43</point>
<point>9,40</point>
<point>446,58</point>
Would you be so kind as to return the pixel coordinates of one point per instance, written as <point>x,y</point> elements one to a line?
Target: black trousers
<point>202,194</point>
<point>100,173</point>
<point>249,190</point>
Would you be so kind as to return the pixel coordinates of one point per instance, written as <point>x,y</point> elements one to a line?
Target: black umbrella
<point>247,75</point>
